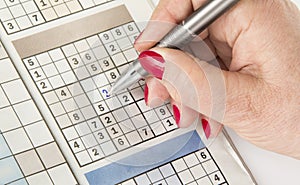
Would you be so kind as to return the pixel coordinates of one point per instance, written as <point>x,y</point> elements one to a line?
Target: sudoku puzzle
<point>18,15</point>
<point>29,152</point>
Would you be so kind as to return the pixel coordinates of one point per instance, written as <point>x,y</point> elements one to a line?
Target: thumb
<point>200,85</point>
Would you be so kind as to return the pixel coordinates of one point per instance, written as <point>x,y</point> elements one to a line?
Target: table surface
<point>267,167</point>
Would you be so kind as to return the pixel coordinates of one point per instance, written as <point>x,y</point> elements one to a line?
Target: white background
<point>268,168</point>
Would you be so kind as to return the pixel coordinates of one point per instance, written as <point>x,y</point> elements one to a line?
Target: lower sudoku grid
<point>74,80</point>
<point>28,152</point>
<point>197,168</point>
<point>17,15</point>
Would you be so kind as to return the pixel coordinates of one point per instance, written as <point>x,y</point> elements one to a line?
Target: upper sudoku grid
<point>28,152</point>
<point>74,80</point>
<point>197,168</point>
<point>18,15</point>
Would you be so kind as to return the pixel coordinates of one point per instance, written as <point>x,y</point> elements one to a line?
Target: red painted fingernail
<point>146,91</point>
<point>176,113</point>
<point>137,38</point>
<point>206,127</point>
<point>153,63</point>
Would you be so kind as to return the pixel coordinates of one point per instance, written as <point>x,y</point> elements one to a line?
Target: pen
<point>177,38</point>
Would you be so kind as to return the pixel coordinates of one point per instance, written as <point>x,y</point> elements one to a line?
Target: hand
<point>258,41</point>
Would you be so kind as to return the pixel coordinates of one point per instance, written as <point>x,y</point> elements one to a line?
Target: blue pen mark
<point>104,91</point>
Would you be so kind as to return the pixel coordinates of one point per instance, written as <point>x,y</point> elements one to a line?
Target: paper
<point>60,126</point>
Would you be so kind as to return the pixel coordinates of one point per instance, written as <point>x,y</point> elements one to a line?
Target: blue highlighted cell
<point>4,149</point>
<point>9,170</point>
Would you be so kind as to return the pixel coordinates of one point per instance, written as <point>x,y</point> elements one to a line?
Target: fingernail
<point>206,127</point>
<point>137,38</point>
<point>146,91</point>
<point>153,63</point>
<point>176,113</point>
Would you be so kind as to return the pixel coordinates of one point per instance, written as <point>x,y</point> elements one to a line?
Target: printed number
<point>203,155</point>
<point>43,85</point>
<point>145,131</point>
<point>75,61</point>
<point>217,178</point>
<point>43,3</point>
<point>88,56</point>
<point>130,28</point>
<point>95,152</point>
<point>113,75</point>
<point>120,141</point>
<point>95,124</point>
<point>170,123</point>
<point>94,67</point>
<point>112,48</point>
<point>10,26</point>
<point>11,1</point>
<point>162,111</point>
<point>106,36</point>
<point>76,145</point>
<point>30,62</point>
<point>76,116</point>
<point>107,119</point>
<point>35,17</point>
<point>63,93</point>
<point>100,107</point>
<point>114,130</point>
<point>106,63</point>
<point>118,32</point>
<point>101,136</point>
<point>37,75</point>
<point>126,99</point>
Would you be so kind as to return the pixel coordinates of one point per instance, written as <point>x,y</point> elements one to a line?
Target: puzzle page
<point>59,125</point>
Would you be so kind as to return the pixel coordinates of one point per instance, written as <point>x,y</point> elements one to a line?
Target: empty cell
<point>142,179</point>
<point>185,176</point>
<point>133,138</point>
<point>76,145</point>
<point>61,10</point>
<point>73,6</point>
<point>5,14</point>
<point>101,108</point>
<point>27,112</point>
<point>39,178</point>
<point>191,160</point>
<point>17,10</point>
<point>10,170</point>
<point>112,48</point>
<point>3,100</point>
<point>113,103</point>
<point>120,115</point>
<point>122,69</point>
<point>100,52</point>
<point>124,43</point>
<point>29,162</point>
<point>43,59</point>
<point>82,100</point>
<point>75,89</point>
<point>146,133</point>
<point>9,119</point>
<point>107,119</point>
<point>76,117</point>
<point>179,165</point>
<point>82,129</point>
<point>42,4</point>
<point>125,98</point>
<point>5,152</point>
<point>63,121</point>
<point>30,7</point>
<point>151,117</point>
<point>39,133</point>
<point>169,123</point>
<point>89,141</point>
<point>100,80</point>
<point>132,110</point>
<point>94,124</point>
<point>94,68</point>
<point>127,126</point>
<point>37,74</point>
<point>69,77</point>
<point>82,46</point>
<point>56,81</point>
<point>154,175</point>
<point>62,66</point>
<point>69,105</point>
<point>209,166</point>
<point>94,96</point>
<point>166,170</point>
<point>129,182</point>
<point>88,85</point>
<point>15,91</point>
<point>88,112</point>
<point>96,153</point>
<point>108,148</point>
<point>50,155</point>
<point>44,85</point>
<point>70,133</point>
<point>121,143</point>
<point>63,93</point>
<point>137,94</point>
<point>69,50</point>
<point>57,109</point>
<point>56,54</point>
<point>50,97</point>
<point>31,63</point>
<point>81,73</point>
<point>106,64</point>
<point>23,22</point>
<point>101,136</point>
<point>130,28</point>
<point>83,158</point>
<point>197,171</point>
<point>130,54</point>
<point>36,18</point>
<point>49,14</point>
<point>204,181</point>
<point>62,175</point>
<point>93,41</point>
<point>106,37</point>
<point>203,155</point>
<point>11,26</point>
<point>87,3</point>
<point>118,32</point>
<point>158,128</point>
<point>139,121</point>
<point>50,70</point>
<point>173,180</point>
<point>114,131</point>
<point>7,71</point>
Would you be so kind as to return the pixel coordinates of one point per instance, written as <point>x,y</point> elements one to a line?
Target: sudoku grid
<point>197,168</point>
<point>18,15</point>
<point>28,152</point>
<point>74,80</point>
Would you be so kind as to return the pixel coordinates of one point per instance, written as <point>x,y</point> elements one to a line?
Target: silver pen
<point>177,38</point>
